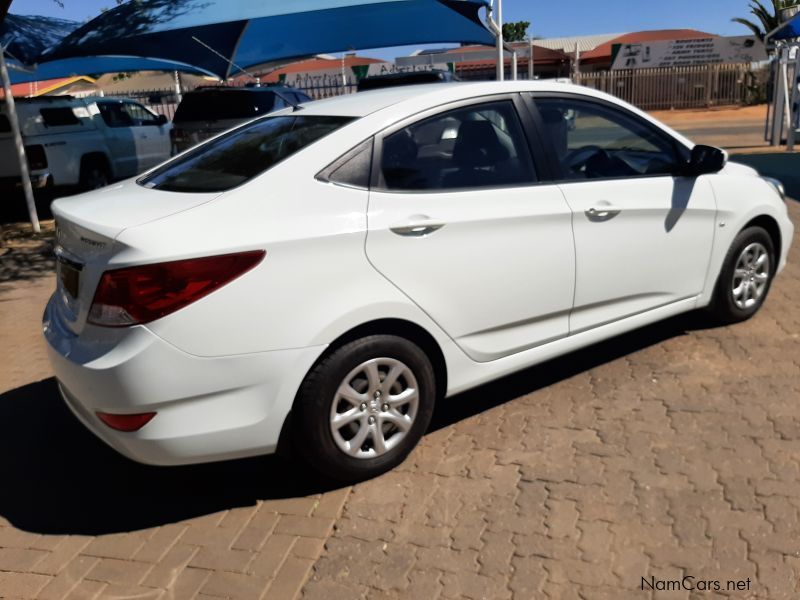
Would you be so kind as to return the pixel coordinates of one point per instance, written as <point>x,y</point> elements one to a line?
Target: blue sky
<point>548,18</point>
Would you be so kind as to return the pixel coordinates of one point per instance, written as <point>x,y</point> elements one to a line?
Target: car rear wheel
<point>364,407</point>
<point>94,174</point>
<point>746,276</point>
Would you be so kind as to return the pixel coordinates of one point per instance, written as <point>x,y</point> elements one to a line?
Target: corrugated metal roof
<point>583,42</point>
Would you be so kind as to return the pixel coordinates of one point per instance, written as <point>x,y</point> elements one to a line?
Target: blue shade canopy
<point>789,30</point>
<point>27,37</point>
<point>249,33</point>
<point>94,65</point>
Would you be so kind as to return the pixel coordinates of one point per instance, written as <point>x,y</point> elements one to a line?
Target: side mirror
<point>162,120</point>
<point>705,160</point>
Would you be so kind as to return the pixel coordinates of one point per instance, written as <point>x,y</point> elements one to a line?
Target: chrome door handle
<point>602,212</point>
<point>418,226</point>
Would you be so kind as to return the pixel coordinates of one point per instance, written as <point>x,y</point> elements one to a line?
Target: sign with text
<point>686,53</point>
<point>353,75</point>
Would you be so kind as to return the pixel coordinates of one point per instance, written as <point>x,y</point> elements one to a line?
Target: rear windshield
<point>240,155</point>
<point>225,104</point>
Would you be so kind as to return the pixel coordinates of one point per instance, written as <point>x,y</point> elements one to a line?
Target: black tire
<point>312,433</point>
<point>723,306</point>
<point>94,174</point>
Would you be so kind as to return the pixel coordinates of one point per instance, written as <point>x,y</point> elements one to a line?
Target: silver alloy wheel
<point>374,407</point>
<point>751,275</point>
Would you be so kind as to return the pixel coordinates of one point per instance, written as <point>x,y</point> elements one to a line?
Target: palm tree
<point>768,20</point>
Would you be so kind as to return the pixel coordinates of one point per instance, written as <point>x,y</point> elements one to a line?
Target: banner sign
<point>354,74</point>
<point>685,53</point>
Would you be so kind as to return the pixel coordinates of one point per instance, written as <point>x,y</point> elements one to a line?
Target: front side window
<point>593,141</point>
<point>114,114</point>
<point>238,156</point>
<point>473,147</point>
<point>140,115</point>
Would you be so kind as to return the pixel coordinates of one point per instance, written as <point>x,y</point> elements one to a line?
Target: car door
<point>120,138</point>
<point>459,222</point>
<point>152,138</point>
<point>643,234</point>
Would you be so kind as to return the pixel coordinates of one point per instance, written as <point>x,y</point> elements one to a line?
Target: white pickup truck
<point>86,142</point>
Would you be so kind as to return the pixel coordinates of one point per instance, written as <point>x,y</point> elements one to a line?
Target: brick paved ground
<point>672,450</point>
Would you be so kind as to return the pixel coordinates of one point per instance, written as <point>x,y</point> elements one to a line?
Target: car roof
<point>263,88</point>
<point>388,105</point>
<point>362,104</point>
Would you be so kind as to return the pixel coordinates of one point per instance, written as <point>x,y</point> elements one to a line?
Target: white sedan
<point>323,274</point>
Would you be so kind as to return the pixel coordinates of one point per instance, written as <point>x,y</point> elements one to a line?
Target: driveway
<point>671,451</point>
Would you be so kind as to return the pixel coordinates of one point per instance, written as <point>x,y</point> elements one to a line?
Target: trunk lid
<point>86,229</point>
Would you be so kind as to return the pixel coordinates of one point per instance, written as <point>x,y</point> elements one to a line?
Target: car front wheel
<point>746,276</point>
<point>364,407</point>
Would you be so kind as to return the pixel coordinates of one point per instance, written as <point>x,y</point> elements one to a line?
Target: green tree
<point>516,32</point>
<point>767,19</point>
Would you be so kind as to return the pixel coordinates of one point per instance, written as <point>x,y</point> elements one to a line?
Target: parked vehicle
<point>329,273</point>
<point>375,82</point>
<point>208,111</point>
<point>87,142</point>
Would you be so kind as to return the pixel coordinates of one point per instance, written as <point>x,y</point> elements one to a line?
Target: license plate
<point>70,275</point>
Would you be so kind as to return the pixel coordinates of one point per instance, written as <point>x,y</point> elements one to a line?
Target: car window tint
<point>213,105</point>
<point>594,141</point>
<point>114,114</point>
<point>353,169</point>
<point>241,154</point>
<point>472,147</point>
<point>59,116</point>
<point>5,124</point>
<point>140,115</point>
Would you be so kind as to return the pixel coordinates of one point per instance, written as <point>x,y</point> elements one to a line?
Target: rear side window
<point>224,104</point>
<point>240,155</point>
<point>59,117</point>
<point>473,147</point>
<point>5,126</point>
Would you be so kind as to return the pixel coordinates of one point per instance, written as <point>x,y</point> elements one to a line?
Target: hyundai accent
<point>325,273</point>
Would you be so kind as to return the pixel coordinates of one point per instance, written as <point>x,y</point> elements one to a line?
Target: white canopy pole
<point>20,145</point>
<point>495,25</point>
<point>530,60</point>
<point>501,59</point>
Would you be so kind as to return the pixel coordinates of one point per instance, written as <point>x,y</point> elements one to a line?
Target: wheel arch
<point>404,329</point>
<point>770,225</point>
<point>99,157</point>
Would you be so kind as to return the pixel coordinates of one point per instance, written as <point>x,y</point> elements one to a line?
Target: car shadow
<point>472,402</point>
<point>58,478</point>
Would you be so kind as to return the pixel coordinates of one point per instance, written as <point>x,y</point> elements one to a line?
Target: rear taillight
<point>178,135</point>
<point>37,159</point>
<point>135,295</point>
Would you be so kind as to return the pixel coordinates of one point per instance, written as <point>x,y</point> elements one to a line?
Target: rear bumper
<point>38,181</point>
<point>207,409</point>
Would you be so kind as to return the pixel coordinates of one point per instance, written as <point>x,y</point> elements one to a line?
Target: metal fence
<point>649,89</point>
<point>681,87</point>
<point>165,101</point>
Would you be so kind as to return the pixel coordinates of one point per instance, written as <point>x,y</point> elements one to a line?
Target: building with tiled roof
<point>601,57</point>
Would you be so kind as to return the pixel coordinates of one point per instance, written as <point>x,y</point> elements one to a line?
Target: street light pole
<point>18,142</point>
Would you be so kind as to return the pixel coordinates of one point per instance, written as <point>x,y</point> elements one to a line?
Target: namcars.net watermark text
<point>694,584</point>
